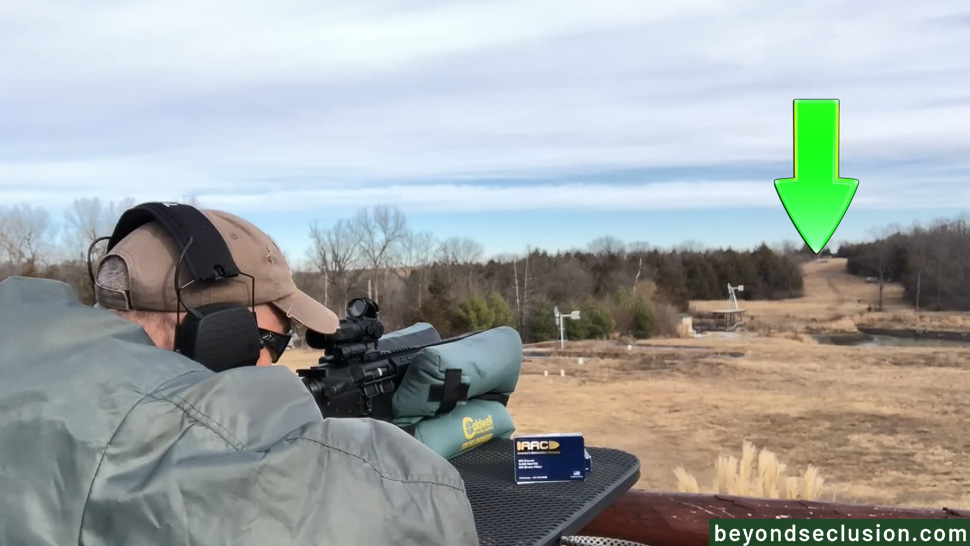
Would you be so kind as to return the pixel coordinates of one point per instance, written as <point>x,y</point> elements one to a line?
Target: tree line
<point>620,288</point>
<point>932,263</point>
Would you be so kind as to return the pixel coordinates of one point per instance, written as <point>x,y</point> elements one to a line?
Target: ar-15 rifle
<point>361,368</point>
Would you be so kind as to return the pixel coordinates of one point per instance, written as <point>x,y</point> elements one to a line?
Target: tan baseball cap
<point>151,255</point>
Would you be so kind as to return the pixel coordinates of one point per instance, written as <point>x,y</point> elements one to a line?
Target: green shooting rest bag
<point>467,426</point>
<point>483,365</point>
<point>452,397</point>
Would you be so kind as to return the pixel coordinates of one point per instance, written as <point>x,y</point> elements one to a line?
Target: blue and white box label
<point>550,458</point>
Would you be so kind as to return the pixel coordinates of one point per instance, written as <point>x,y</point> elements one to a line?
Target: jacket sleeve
<point>244,457</point>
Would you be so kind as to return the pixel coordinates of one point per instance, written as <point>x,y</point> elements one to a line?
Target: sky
<point>514,122</point>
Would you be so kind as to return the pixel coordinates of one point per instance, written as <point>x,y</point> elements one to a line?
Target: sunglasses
<point>274,342</point>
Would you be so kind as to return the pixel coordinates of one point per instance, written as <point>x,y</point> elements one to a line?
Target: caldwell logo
<point>536,445</point>
<point>473,427</point>
<point>482,428</point>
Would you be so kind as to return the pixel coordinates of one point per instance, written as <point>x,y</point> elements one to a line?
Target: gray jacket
<point>106,439</point>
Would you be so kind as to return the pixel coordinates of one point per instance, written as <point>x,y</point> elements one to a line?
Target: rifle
<point>361,367</point>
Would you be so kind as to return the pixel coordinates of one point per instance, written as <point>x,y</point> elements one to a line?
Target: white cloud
<point>164,98</point>
<point>577,197</point>
<point>223,40</point>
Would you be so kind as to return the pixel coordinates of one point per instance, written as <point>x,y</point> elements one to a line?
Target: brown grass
<point>883,425</point>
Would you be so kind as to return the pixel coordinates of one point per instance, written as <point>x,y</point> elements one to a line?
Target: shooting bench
<point>539,514</point>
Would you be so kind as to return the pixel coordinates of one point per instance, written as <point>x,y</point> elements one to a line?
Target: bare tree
<point>639,247</point>
<point>527,287</point>
<point>607,245</point>
<point>960,245</point>
<point>880,256</point>
<point>457,251</point>
<point>90,218</point>
<point>690,245</point>
<point>381,231</point>
<point>786,248</point>
<point>191,200</point>
<point>567,281</point>
<point>460,250</point>
<point>522,295</point>
<point>636,277</point>
<point>919,259</point>
<point>26,235</point>
<point>417,254</point>
<point>518,295</point>
<point>337,254</point>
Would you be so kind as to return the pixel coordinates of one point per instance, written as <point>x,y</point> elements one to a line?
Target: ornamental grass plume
<point>744,479</point>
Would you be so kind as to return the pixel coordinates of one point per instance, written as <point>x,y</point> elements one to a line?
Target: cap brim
<point>308,312</point>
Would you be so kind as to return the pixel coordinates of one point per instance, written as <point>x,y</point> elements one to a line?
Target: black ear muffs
<point>220,336</point>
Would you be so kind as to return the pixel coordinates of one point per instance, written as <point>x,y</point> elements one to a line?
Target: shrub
<point>600,323</point>
<point>667,318</point>
<point>643,320</point>
<point>502,314</point>
<point>478,313</point>
<point>474,314</point>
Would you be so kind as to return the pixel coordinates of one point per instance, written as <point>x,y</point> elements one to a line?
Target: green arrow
<point>816,198</point>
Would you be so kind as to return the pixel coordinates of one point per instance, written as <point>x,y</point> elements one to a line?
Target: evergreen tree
<point>600,323</point>
<point>502,314</point>
<point>541,322</point>
<point>436,307</point>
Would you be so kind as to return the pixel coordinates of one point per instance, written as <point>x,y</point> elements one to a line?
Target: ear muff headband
<point>207,258</point>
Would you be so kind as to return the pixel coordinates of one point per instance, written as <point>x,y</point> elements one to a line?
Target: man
<point>107,436</point>
<point>151,255</point>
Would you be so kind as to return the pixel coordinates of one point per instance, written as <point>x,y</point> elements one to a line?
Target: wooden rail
<point>681,519</point>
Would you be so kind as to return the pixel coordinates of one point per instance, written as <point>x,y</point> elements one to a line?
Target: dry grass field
<point>837,302</point>
<point>882,425</point>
